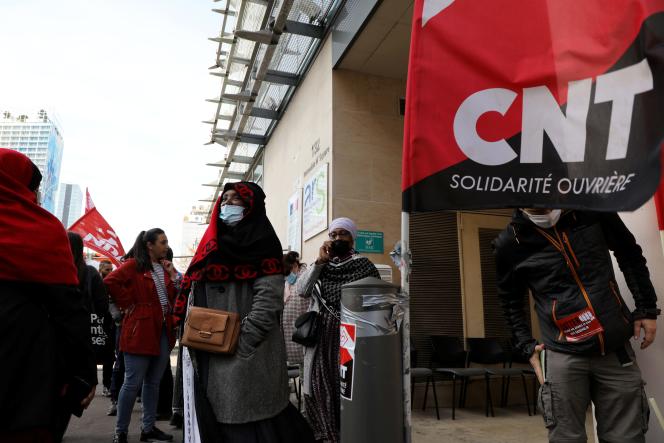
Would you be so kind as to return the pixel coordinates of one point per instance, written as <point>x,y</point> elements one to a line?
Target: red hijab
<point>247,251</point>
<point>33,243</point>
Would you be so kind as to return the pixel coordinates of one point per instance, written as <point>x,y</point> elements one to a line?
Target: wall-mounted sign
<point>295,221</point>
<point>369,241</point>
<point>314,215</point>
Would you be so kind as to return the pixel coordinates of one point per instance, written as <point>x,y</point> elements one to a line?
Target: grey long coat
<point>252,384</point>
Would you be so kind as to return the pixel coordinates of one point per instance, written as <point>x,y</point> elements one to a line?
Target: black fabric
<point>253,238</point>
<point>246,251</point>
<point>526,259</point>
<point>287,427</point>
<point>45,332</point>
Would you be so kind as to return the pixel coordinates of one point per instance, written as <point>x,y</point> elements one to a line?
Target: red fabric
<point>475,45</point>
<point>659,196</point>
<point>98,235</point>
<point>136,294</point>
<point>89,204</point>
<point>33,243</point>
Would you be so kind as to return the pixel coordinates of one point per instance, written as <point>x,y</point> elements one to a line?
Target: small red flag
<point>659,203</point>
<point>98,235</point>
<point>89,204</point>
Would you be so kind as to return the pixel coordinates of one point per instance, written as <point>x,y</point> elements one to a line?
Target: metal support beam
<point>234,175</point>
<point>225,12</point>
<point>262,36</point>
<point>244,96</point>
<point>264,113</point>
<point>242,159</point>
<point>253,139</point>
<point>236,83</point>
<point>282,78</point>
<point>305,29</point>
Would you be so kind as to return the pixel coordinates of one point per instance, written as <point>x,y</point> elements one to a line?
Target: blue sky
<point>128,81</point>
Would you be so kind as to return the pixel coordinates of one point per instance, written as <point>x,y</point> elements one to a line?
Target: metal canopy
<point>264,47</point>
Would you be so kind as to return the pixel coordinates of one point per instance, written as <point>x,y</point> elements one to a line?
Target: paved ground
<point>511,425</point>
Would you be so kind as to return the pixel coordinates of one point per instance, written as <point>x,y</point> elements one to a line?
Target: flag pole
<point>405,328</point>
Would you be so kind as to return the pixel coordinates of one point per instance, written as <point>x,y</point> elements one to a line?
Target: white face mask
<point>545,221</point>
<point>231,214</point>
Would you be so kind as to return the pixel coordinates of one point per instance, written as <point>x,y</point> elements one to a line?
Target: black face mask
<point>340,248</point>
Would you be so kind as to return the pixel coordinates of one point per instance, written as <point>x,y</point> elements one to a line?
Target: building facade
<point>69,205</point>
<point>193,227</point>
<point>38,136</point>
<point>334,149</point>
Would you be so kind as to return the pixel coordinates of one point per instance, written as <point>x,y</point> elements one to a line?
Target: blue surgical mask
<point>231,214</point>
<point>292,278</point>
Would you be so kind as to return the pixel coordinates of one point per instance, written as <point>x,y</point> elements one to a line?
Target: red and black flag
<point>521,103</point>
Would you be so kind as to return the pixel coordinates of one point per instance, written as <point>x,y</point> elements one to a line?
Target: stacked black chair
<point>294,376</point>
<point>489,351</point>
<point>449,362</point>
<point>517,357</point>
<point>417,373</point>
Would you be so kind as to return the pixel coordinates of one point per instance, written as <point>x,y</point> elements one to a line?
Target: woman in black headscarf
<point>242,397</point>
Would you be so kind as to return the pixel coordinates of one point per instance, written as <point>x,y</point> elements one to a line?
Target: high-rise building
<point>193,228</point>
<point>39,137</point>
<point>69,205</point>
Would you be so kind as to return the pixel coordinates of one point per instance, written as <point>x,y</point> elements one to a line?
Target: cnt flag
<point>89,204</point>
<point>551,103</point>
<point>97,234</point>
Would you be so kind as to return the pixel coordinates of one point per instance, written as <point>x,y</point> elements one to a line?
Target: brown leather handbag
<point>211,330</point>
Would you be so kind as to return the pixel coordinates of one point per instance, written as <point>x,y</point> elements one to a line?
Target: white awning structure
<point>264,48</point>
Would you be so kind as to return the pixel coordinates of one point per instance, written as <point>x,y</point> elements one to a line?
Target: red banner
<point>98,235</point>
<point>514,103</point>
<point>89,204</point>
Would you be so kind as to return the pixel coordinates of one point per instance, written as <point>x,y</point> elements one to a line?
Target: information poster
<point>314,215</point>
<point>295,221</point>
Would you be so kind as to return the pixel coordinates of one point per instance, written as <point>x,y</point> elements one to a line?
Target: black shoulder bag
<point>308,325</point>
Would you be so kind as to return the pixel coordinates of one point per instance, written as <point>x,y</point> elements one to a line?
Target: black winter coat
<point>44,342</point>
<point>568,269</point>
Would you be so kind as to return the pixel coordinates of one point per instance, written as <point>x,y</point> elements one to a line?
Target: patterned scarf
<point>246,251</point>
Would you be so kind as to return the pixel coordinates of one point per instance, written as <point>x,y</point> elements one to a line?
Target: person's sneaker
<point>177,420</point>
<point>113,409</point>
<point>120,437</point>
<point>106,392</point>
<point>155,435</point>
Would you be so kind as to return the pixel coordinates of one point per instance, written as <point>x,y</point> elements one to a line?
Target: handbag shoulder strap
<point>317,294</point>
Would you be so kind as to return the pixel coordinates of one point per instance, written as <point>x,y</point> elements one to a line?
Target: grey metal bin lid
<point>370,282</point>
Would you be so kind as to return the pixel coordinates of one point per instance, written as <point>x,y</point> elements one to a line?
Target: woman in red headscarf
<point>45,349</point>
<point>240,398</point>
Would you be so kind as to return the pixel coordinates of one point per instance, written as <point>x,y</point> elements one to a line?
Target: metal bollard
<point>371,363</point>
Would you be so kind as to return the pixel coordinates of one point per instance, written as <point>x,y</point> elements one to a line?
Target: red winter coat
<point>136,294</point>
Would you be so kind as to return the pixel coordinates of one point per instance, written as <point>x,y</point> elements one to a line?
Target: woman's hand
<point>324,253</point>
<point>168,267</point>
<point>536,364</point>
<point>87,400</point>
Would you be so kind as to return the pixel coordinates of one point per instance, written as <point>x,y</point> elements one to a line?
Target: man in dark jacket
<point>563,259</point>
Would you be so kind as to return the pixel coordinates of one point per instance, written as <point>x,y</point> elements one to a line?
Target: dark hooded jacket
<point>568,269</point>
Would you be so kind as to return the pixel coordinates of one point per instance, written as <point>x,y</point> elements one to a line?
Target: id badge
<point>579,326</point>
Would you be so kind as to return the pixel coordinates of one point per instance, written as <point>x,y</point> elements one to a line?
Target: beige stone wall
<point>367,138</point>
<point>289,154</point>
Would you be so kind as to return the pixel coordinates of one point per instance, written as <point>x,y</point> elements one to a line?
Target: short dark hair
<point>290,259</point>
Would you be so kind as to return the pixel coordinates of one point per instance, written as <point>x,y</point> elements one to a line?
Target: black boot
<point>155,435</point>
